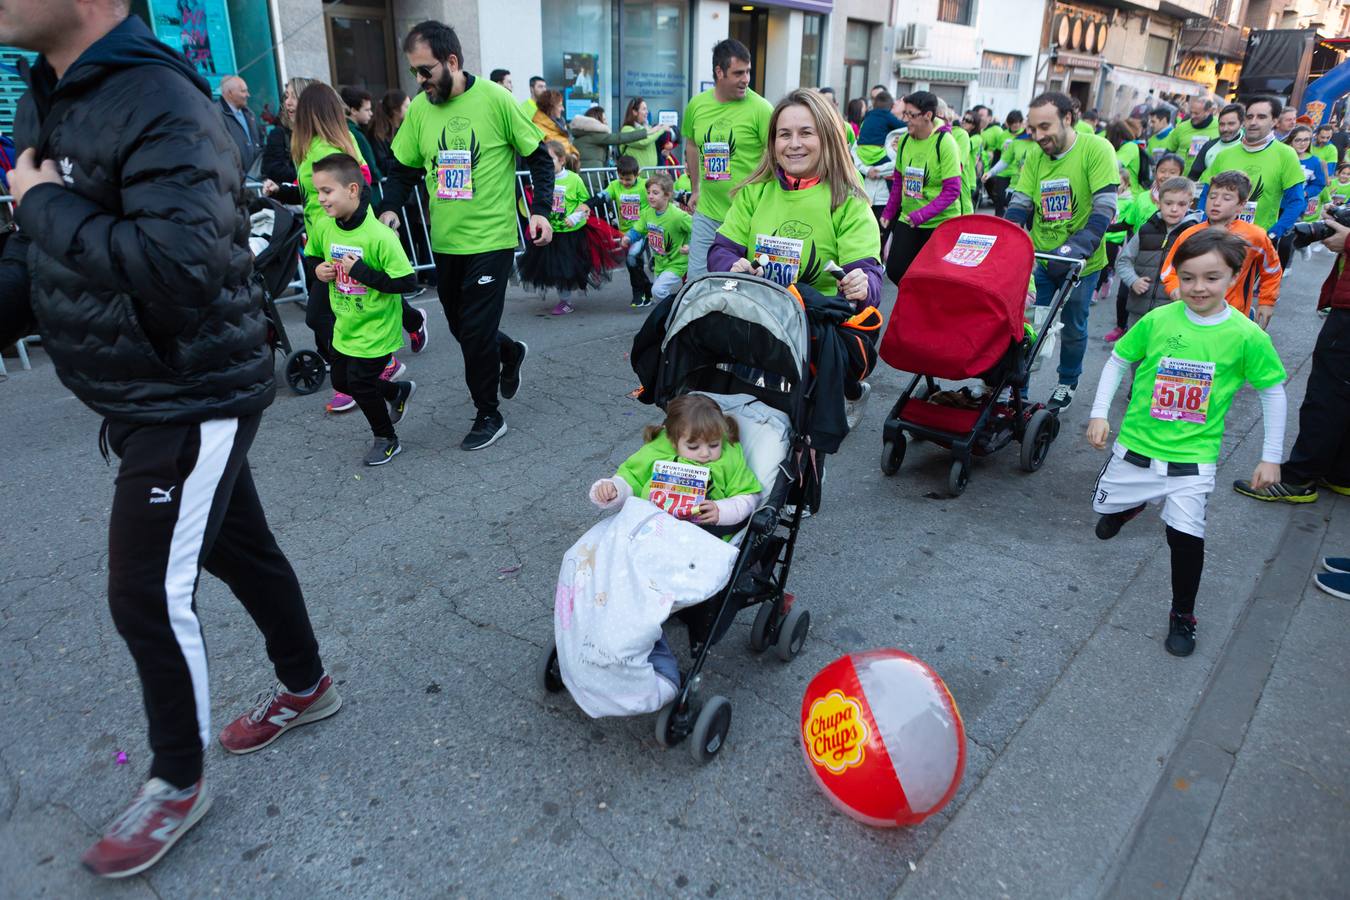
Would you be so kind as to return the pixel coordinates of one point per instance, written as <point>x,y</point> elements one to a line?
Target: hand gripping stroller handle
<point>1071,262</point>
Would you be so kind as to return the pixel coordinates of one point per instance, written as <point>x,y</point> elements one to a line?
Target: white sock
<point>310,691</point>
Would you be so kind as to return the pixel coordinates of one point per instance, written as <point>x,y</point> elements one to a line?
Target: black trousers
<point>361,379</point>
<point>906,242</point>
<point>472,289</point>
<point>184,500</point>
<point>1322,449</point>
<point>998,192</point>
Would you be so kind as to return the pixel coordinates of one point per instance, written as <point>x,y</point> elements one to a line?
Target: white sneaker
<point>853,409</point>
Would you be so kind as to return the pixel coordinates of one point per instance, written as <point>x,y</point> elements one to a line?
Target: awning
<point>912,73</point>
<point>1152,81</point>
<point>815,6</point>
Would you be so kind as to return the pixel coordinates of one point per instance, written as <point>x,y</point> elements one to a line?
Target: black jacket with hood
<point>140,264</point>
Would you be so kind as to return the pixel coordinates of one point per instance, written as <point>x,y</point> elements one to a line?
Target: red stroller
<point>959,315</point>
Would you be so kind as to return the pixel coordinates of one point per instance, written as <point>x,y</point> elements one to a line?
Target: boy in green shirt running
<point>665,228</point>
<point>1193,357</point>
<point>367,273</point>
<point>628,195</point>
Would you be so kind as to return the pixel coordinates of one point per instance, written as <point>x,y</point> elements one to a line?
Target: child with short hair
<point>1139,265</point>
<point>876,124</point>
<point>1261,273</point>
<point>1338,189</point>
<point>628,193</point>
<point>367,273</point>
<point>1192,357</point>
<point>666,229</point>
<point>564,263</point>
<point>697,432</point>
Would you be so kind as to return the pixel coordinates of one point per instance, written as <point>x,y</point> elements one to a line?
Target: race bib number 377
<point>717,161</point>
<point>1181,390</point>
<point>1056,200</point>
<point>454,175</point>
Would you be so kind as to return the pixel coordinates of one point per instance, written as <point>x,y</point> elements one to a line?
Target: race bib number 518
<point>1181,390</point>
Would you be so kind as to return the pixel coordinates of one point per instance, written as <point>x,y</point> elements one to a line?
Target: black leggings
<point>906,242</point>
<point>1188,561</point>
<point>361,379</point>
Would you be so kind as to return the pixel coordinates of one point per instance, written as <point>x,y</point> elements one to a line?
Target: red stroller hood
<point>961,302</point>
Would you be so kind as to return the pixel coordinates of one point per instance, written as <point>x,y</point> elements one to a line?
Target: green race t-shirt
<point>730,473</point>
<point>569,192</point>
<point>304,176</point>
<point>367,323</point>
<point>1157,145</point>
<point>1328,154</point>
<point>1186,379</point>
<point>1187,141</point>
<point>991,140</point>
<point>468,147</point>
<point>1273,169</point>
<point>629,202</point>
<point>799,233</point>
<point>966,153</point>
<point>1015,152</point>
<point>644,151</point>
<point>731,139</point>
<point>1338,193</point>
<point>1061,192</point>
<point>924,165</point>
<point>666,234</point>
<point>1129,155</point>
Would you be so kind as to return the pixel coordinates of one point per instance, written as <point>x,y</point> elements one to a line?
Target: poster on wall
<point>581,82</point>
<point>201,30</point>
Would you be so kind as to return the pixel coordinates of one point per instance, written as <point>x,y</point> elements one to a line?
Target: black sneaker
<point>1279,492</point>
<point>1109,525</point>
<point>1180,635</point>
<point>486,430</point>
<point>1060,397</point>
<point>510,383</point>
<point>641,302</point>
<point>383,450</point>
<point>398,407</point>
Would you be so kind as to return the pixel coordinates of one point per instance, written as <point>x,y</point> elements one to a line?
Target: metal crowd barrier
<point>596,180</point>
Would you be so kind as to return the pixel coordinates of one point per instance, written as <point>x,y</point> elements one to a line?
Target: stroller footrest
<point>939,418</point>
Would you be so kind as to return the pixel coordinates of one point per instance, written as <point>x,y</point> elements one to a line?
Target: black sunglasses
<point>423,72</point>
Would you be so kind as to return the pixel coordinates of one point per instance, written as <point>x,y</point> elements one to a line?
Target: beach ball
<point>883,737</point>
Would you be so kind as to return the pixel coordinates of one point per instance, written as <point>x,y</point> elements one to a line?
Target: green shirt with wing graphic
<point>731,138</point>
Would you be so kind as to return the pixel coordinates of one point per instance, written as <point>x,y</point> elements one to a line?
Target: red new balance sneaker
<point>145,831</point>
<point>277,712</point>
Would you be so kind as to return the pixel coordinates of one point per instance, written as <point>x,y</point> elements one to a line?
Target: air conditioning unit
<point>911,37</point>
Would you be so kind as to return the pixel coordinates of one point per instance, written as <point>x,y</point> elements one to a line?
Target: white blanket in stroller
<point>616,586</point>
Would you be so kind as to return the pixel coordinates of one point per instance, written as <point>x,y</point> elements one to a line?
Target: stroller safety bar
<point>1076,264</point>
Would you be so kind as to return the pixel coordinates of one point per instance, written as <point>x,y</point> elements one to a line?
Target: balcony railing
<point>1209,38</point>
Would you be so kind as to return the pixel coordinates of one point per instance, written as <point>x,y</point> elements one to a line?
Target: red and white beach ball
<point>883,737</point>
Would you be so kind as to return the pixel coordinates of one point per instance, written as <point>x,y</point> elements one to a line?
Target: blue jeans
<point>1074,315</point>
<point>702,232</point>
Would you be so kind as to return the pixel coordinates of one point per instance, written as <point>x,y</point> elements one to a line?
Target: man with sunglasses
<point>462,134</point>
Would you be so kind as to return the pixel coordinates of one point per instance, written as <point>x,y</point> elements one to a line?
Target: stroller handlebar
<point>1077,264</point>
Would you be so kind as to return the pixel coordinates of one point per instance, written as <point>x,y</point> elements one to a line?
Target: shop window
<point>1000,71</point>
<point>655,57</point>
<point>750,26</point>
<point>958,12</point>
<point>579,50</point>
<point>857,59</point>
<point>813,24</point>
<point>1158,54</point>
<point>361,46</point>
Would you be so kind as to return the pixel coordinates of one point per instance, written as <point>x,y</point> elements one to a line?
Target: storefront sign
<point>668,117</point>
<point>201,30</point>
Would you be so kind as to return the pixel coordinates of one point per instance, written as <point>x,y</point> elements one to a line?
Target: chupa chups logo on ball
<point>836,735</point>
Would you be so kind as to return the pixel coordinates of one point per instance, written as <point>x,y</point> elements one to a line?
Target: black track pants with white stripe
<point>185,501</point>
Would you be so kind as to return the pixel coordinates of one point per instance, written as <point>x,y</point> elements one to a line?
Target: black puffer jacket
<point>140,263</point>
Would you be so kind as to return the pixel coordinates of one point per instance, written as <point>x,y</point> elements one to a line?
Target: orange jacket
<point>1260,275</point>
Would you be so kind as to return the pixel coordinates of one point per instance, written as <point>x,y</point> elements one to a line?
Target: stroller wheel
<point>710,729</point>
<point>759,632</point>
<point>892,454</point>
<point>305,371</point>
<point>550,676</point>
<point>1040,432</point>
<point>663,735</point>
<point>958,478</point>
<point>792,633</point>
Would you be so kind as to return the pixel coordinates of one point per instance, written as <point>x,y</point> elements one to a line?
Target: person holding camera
<point>1321,454</point>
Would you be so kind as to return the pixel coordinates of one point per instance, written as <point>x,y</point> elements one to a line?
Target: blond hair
<point>297,87</point>
<point>321,114</point>
<point>836,164</point>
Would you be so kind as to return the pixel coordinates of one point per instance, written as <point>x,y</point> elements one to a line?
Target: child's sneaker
<point>398,407</point>
<point>382,450</point>
<point>853,409</point>
<point>418,338</point>
<point>1180,635</point>
<point>276,712</point>
<point>1337,584</point>
<point>1114,335</point>
<point>341,402</point>
<point>563,308</point>
<point>641,302</point>
<point>1109,525</point>
<point>393,370</point>
<point>146,830</point>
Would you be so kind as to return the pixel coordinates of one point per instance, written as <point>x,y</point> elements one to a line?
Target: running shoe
<point>1060,397</point>
<point>1342,489</point>
<point>1280,492</point>
<point>277,711</point>
<point>1337,584</point>
<point>159,815</point>
<point>853,409</point>
<point>1114,335</point>
<point>1109,525</point>
<point>563,308</point>
<point>1180,635</point>
<point>341,402</point>
<point>510,375</point>
<point>382,450</point>
<point>398,407</point>
<point>641,301</point>
<point>393,370</point>
<point>1337,564</point>
<point>418,338</point>
<point>485,432</point>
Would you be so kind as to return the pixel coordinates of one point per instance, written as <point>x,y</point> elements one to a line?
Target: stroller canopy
<point>962,301</point>
<point>276,263</point>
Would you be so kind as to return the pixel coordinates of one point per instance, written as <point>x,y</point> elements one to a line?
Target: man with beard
<point>462,133</point>
<point>1230,135</point>
<point>1066,195</point>
<point>1276,174</point>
